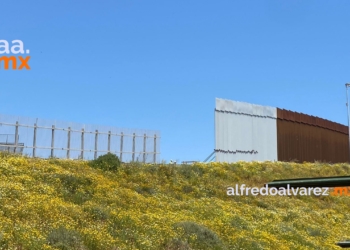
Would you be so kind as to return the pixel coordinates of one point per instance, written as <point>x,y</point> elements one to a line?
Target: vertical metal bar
<point>133,147</point>
<point>34,140</point>
<point>144,148</point>
<point>347,104</point>
<point>82,144</point>
<point>52,140</point>
<point>121,146</point>
<point>155,148</point>
<point>16,138</point>
<point>215,126</point>
<point>96,138</point>
<point>68,143</point>
<point>8,148</point>
<point>109,141</point>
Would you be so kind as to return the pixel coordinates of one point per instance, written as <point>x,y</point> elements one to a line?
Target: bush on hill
<point>106,162</point>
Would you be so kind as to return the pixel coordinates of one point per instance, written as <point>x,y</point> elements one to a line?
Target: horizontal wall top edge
<point>299,113</point>
<point>245,108</point>
<point>292,116</point>
<point>239,113</point>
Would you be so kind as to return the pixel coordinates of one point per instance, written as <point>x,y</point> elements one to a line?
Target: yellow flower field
<point>66,204</point>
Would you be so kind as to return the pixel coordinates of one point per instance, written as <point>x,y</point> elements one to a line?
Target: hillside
<point>66,204</point>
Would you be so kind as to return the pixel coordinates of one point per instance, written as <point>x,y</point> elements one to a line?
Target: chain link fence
<point>46,138</point>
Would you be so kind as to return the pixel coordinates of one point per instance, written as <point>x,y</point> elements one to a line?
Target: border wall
<point>249,132</point>
<point>308,138</point>
<point>245,132</point>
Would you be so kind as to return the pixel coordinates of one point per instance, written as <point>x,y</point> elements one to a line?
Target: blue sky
<point>160,64</point>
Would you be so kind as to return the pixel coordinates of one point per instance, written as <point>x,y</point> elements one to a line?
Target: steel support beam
<point>338,181</point>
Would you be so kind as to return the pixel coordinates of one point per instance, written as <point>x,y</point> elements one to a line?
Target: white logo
<point>17,47</point>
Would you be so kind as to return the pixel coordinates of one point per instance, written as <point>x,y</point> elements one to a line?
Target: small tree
<point>106,162</point>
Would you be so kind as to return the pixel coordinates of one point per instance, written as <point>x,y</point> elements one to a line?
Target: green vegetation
<point>64,239</point>
<point>107,162</point>
<point>199,236</point>
<point>69,204</point>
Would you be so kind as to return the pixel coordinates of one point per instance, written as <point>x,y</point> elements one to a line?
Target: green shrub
<point>76,189</point>
<point>144,190</point>
<point>79,197</point>
<point>72,183</point>
<point>190,171</point>
<point>205,238</point>
<point>248,243</point>
<point>125,229</point>
<point>187,189</point>
<point>107,162</point>
<point>239,223</point>
<point>64,239</point>
<point>97,213</point>
<point>175,244</point>
<point>316,232</point>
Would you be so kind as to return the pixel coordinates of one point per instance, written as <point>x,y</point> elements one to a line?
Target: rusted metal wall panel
<point>302,137</point>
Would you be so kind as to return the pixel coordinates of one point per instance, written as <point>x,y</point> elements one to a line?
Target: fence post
<point>82,144</point>
<point>144,148</point>
<point>52,140</point>
<point>34,140</point>
<point>96,138</point>
<point>121,146</point>
<point>155,148</point>
<point>133,147</point>
<point>8,148</point>
<point>16,138</point>
<point>109,141</point>
<point>68,143</point>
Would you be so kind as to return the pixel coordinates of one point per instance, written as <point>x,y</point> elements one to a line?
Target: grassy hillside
<point>66,204</point>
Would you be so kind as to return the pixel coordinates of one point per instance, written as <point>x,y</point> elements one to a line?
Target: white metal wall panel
<point>245,132</point>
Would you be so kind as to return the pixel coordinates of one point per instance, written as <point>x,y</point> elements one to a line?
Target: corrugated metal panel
<point>308,138</point>
<point>311,120</point>
<point>229,106</point>
<point>245,132</point>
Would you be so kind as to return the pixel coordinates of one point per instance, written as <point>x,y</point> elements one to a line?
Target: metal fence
<point>45,138</point>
